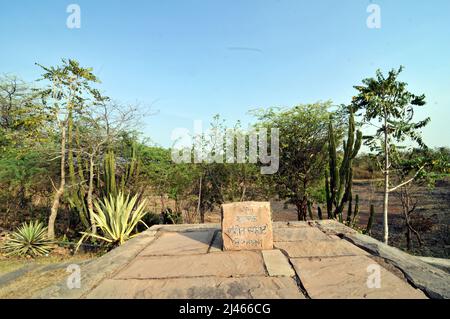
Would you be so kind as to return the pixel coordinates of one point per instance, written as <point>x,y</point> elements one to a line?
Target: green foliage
<point>117,218</point>
<point>22,169</point>
<point>77,200</point>
<point>303,137</point>
<point>171,217</point>
<point>338,185</point>
<point>109,176</point>
<point>30,239</point>
<point>385,98</point>
<point>149,220</point>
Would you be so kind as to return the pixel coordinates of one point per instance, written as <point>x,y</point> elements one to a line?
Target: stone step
<point>225,264</point>
<point>351,277</point>
<point>256,287</point>
<point>277,264</point>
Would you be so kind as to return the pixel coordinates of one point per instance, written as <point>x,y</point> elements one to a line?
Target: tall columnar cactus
<point>370,221</point>
<point>131,169</point>
<point>113,183</point>
<point>109,177</point>
<point>354,218</point>
<point>77,191</point>
<point>338,184</point>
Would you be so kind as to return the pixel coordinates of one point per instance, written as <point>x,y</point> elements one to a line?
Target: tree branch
<point>408,181</point>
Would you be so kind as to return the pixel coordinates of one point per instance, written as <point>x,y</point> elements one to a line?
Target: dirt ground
<point>433,205</point>
<point>21,278</point>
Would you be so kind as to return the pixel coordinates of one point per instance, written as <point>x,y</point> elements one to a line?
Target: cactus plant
<point>338,183</point>
<point>110,174</point>
<point>370,221</point>
<point>355,212</point>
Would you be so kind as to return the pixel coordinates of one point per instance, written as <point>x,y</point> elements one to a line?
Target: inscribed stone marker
<point>247,226</point>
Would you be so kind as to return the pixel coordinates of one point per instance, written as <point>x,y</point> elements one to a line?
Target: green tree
<point>25,141</point>
<point>69,87</point>
<point>303,132</point>
<point>389,106</point>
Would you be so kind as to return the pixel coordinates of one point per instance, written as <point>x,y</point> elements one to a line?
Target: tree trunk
<point>90,203</point>
<point>408,238</point>
<point>60,191</point>
<point>298,208</point>
<point>385,208</point>
<point>386,183</point>
<point>202,216</point>
<point>199,202</point>
<point>244,189</point>
<point>302,207</point>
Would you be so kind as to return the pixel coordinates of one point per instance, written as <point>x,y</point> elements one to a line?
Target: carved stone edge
<point>431,280</point>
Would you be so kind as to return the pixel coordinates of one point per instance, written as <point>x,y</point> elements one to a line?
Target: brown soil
<point>433,206</point>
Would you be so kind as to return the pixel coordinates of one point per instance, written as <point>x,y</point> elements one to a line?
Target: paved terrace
<point>320,259</point>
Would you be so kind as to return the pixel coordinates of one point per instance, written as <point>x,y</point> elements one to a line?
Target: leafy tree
<point>24,145</point>
<point>303,138</point>
<point>389,106</point>
<point>69,87</point>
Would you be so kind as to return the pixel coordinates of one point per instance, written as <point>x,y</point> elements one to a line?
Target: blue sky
<point>191,59</point>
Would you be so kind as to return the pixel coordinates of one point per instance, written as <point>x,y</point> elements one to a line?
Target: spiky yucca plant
<point>116,217</point>
<point>28,240</point>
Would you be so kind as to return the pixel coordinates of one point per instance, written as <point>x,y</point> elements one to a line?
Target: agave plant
<point>28,240</point>
<point>116,217</point>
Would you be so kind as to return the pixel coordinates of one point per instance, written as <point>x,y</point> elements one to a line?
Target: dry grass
<point>38,278</point>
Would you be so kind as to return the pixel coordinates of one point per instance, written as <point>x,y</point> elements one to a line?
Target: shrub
<point>117,218</point>
<point>28,240</point>
<point>171,217</point>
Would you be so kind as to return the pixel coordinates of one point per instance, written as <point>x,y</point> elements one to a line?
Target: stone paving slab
<point>277,264</point>
<point>94,271</point>
<point>290,234</point>
<point>434,281</point>
<point>346,277</point>
<point>225,264</point>
<point>180,243</point>
<point>200,288</point>
<point>185,227</point>
<point>187,261</point>
<point>325,248</point>
<point>290,224</point>
<point>298,224</point>
<point>332,227</point>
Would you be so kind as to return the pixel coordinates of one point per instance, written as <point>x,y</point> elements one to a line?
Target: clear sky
<point>191,59</point>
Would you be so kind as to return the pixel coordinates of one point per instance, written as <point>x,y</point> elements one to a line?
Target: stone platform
<point>320,259</point>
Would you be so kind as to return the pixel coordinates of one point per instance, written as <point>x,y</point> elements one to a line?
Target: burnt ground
<point>432,214</point>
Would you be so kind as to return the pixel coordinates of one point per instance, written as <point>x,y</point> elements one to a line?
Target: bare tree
<point>103,123</point>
